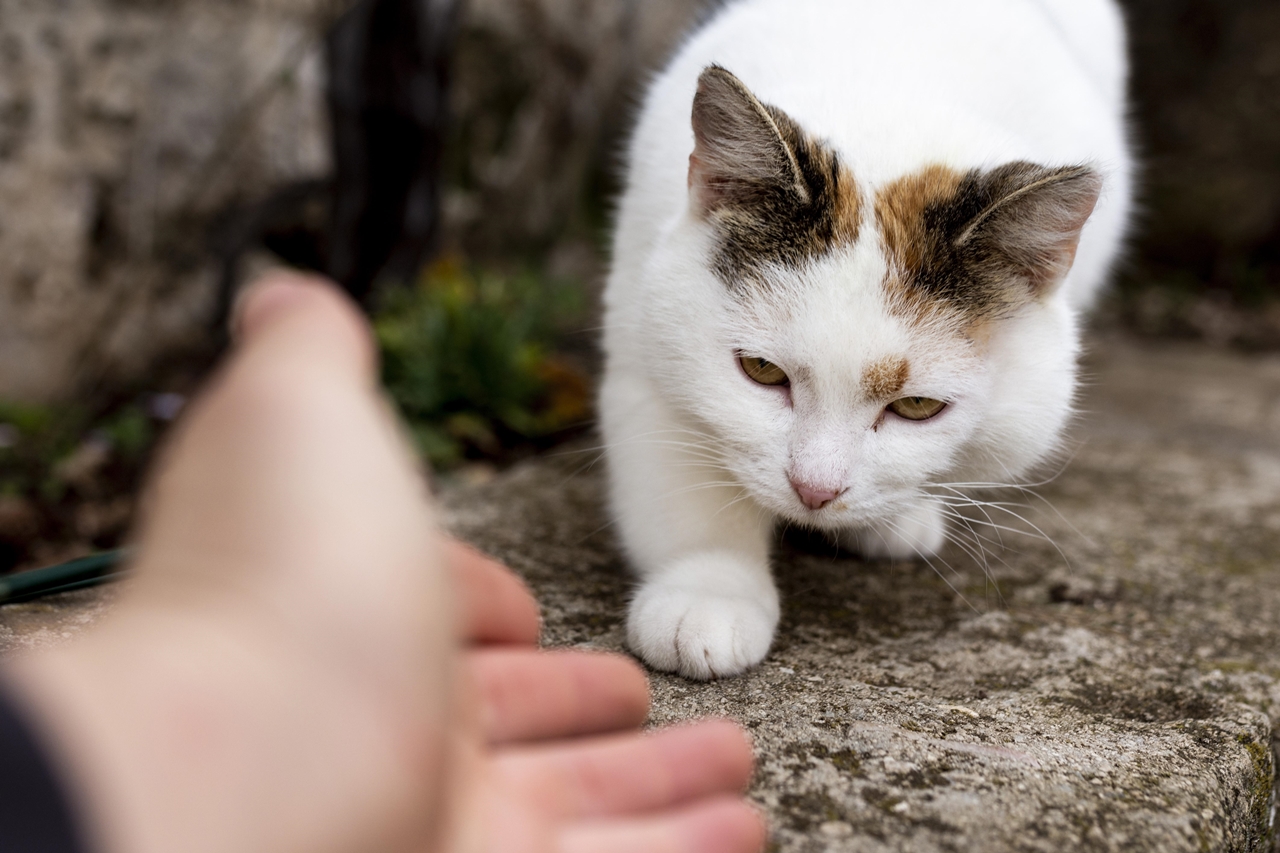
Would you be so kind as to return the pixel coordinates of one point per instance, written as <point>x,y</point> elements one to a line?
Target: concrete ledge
<point>1117,688</point>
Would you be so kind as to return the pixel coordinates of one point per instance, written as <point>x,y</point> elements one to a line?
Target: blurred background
<point>154,153</point>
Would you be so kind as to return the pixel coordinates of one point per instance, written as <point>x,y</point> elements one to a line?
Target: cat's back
<point>894,85</point>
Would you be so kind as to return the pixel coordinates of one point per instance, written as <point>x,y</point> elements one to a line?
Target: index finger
<point>497,606</point>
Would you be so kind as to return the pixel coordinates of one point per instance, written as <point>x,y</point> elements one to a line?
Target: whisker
<point>1035,533</point>
<point>970,502</point>
<point>896,528</point>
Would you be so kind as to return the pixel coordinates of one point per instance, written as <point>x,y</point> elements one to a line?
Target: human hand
<point>281,674</point>
<point>671,791</point>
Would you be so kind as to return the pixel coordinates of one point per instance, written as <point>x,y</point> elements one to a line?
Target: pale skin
<point>299,662</point>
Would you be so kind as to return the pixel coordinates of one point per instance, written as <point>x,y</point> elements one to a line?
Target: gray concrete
<point>1115,686</point>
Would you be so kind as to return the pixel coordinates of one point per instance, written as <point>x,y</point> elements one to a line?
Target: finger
<point>290,490</point>
<point>496,605</point>
<point>627,774</point>
<point>304,314</point>
<point>500,821</point>
<point>720,825</point>
<point>529,695</point>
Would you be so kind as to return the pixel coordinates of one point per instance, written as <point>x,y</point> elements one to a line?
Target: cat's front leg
<point>921,531</point>
<point>706,605</point>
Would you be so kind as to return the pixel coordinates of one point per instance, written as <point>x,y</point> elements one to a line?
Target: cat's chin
<point>906,532</point>
<point>918,533</point>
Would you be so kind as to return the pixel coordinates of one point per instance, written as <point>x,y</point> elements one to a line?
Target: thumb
<point>308,317</point>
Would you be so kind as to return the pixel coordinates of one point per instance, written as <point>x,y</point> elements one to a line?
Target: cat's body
<point>871,214</point>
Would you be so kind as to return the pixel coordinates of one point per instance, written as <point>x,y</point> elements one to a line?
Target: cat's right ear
<point>741,156</point>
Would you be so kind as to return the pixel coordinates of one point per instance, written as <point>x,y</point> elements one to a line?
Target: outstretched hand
<point>293,668</point>
<point>675,790</point>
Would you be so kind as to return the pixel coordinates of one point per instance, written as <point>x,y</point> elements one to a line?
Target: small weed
<point>468,355</point>
<point>67,474</point>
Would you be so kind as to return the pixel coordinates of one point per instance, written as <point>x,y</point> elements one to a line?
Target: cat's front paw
<point>919,532</point>
<point>699,631</point>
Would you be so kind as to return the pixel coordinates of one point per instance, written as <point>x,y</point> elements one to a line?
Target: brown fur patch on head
<point>982,243</point>
<point>885,379</point>
<point>900,212</point>
<point>772,193</point>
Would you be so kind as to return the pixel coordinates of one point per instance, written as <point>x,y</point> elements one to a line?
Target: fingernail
<point>266,298</point>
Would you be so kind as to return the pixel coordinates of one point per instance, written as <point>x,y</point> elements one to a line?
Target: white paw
<point>700,630</point>
<point>920,532</point>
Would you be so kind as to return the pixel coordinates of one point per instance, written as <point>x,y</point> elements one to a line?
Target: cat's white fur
<point>699,456</point>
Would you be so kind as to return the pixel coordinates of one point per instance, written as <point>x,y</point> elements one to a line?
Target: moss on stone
<point>1263,793</point>
<point>1160,704</point>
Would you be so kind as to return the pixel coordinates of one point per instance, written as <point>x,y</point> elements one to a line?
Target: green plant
<point>130,431</point>
<point>67,473</point>
<point>469,357</point>
<point>36,439</point>
<point>40,440</point>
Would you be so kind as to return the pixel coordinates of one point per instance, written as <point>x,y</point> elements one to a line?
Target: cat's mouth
<point>835,509</point>
<point>818,510</point>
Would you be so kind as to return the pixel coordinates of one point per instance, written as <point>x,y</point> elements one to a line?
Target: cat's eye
<point>762,371</point>
<point>917,408</point>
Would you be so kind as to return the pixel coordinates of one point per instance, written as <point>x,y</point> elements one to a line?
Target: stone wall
<point>1207,120</point>
<point>130,128</point>
<point>544,91</point>
<point>125,128</point>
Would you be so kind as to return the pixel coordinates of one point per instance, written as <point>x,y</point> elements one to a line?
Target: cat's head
<point>853,345</point>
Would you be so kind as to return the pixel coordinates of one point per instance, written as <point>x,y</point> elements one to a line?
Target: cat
<point>849,262</point>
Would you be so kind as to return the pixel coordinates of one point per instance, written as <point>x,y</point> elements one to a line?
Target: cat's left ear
<point>1028,222</point>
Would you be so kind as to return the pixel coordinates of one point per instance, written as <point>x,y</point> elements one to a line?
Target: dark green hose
<point>73,574</point>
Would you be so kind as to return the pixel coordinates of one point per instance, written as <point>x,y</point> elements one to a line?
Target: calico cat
<point>848,268</point>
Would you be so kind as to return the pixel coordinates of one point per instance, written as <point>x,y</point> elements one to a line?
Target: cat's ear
<point>1029,227</point>
<point>742,155</point>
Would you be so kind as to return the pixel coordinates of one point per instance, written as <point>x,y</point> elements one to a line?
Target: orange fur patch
<point>900,208</point>
<point>885,379</point>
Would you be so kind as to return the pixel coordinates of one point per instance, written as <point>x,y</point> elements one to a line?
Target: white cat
<point>855,274</point>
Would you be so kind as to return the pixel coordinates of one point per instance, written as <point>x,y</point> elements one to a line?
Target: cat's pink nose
<point>813,496</point>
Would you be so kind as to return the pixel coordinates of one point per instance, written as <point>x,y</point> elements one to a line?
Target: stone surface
<point>126,128</point>
<point>1113,686</point>
<point>52,621</point>
<point>132,130</point>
